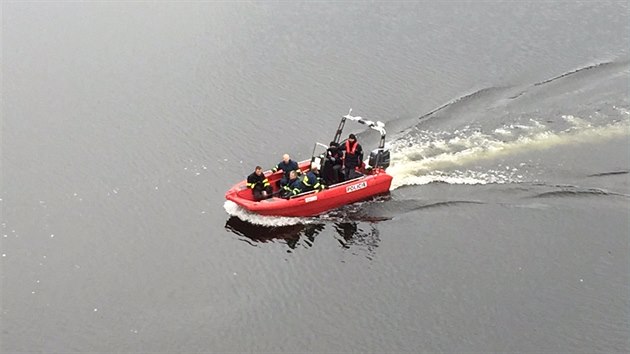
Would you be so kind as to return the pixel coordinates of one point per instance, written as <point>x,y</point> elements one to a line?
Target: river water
<point>506,229</point>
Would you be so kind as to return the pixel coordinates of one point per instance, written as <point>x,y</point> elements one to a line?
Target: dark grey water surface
<point>506,230</point>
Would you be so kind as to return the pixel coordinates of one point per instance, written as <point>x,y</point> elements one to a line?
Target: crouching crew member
<point>259,184</point>
<point>311,181</point>
<point>291,188</point>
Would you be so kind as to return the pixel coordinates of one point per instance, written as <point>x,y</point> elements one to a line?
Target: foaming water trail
<point>442,157</point>
<point>234,209</point>
<point>456,177</point>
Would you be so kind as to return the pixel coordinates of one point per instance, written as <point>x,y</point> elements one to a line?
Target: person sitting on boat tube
<point>311,180</point>
<point>286,165</point>
<point>352,157</point>
<point>259,184</point>
<point>292,186</point>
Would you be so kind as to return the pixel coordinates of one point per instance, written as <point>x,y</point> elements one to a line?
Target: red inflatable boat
<point>372,182</point>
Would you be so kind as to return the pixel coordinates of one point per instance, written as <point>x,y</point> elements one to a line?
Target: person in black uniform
<point>292,187</point>
<point>352,157</point>
<point>311,181</point>
<point>259,184</point>
<point>286,165</point>
<point>334,163</point>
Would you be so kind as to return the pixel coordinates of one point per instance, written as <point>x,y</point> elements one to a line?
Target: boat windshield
<point>319,154</point>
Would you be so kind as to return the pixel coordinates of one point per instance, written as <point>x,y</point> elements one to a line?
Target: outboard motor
<point>379,158</point>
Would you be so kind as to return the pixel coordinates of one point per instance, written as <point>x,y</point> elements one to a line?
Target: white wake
<point>444,157</point>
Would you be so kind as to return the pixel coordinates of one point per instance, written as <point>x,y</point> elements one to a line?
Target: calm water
<point>506,230</point>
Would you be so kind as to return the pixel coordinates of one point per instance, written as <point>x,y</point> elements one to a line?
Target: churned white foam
<point>459,177</point>
<point>622,110</point>
<point>576,121</point>
<point>502,131</point>
<point>439,157</point>
<point>420,180</point>
<point>234,209</point>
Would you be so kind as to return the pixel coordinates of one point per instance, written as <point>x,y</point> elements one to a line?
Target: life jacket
<point>352,157</point>
<point>354,147</point>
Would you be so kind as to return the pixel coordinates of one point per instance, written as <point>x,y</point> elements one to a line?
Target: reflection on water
<point>353,235</point>
<point>358,234</point>
<point>260,234</point>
